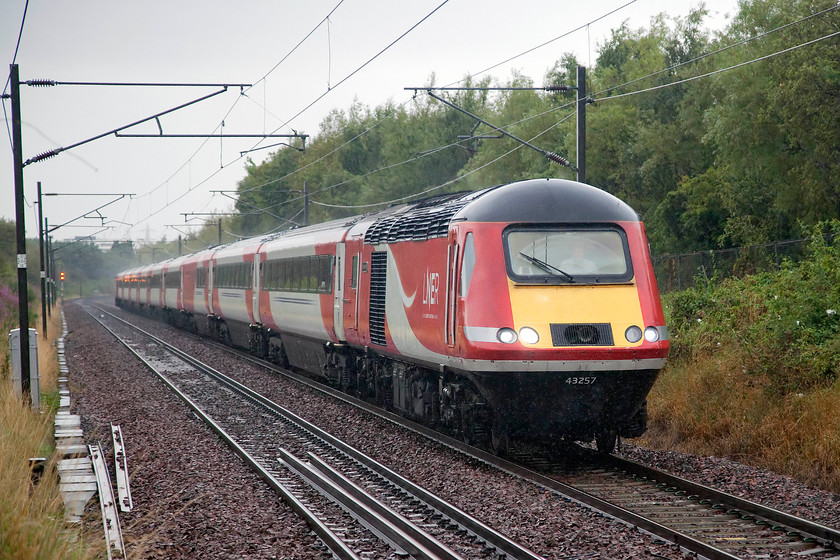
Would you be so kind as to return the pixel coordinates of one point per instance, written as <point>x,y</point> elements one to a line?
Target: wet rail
<point>398,513</point>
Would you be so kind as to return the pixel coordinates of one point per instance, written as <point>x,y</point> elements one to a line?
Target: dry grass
<point>31,514</point>
<point>710,406</point>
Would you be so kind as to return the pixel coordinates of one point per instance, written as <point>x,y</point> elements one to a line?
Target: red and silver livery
<point>523,313</point>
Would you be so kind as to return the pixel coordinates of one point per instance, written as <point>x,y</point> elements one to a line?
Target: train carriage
<point>170,303</point>
<point>232,292</point>
<point>139,293</point>
<point>300,295</point>
<point>196,298</point>
<point>155,298</point>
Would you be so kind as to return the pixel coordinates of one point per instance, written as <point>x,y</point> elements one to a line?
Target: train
<point>524,314</point>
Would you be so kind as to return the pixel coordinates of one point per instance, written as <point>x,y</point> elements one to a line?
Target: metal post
<point>220,231</point>
<point>20,209</point>
<point>50,266</point>
<point>581,124</point>
<point>306,203</point>
<point>43,270</point>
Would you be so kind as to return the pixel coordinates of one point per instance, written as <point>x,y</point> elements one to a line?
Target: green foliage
<point>774,124</point>
<point>784,326</point>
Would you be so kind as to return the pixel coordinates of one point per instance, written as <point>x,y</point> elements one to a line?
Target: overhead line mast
<point>582,101</point>
<point>19,164</point>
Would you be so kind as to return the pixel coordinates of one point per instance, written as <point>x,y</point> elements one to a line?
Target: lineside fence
<point>680,272</point>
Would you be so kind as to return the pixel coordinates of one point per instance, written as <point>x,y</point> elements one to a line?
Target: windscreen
<point>567,255</point>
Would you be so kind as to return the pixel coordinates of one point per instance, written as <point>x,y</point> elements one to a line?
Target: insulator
<point>557,158</point>
<point>43,156</point>
<point>40,83</point>
<point>558,88</point>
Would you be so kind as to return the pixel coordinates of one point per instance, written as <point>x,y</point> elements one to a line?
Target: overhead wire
<point>404,103</point>
<point>236,102</point>
<point>512,58</point>
<point>358,69</point>
<point>718,71</point>
<point>9,78</point>
<point>718,51</point>
<point>393,165</point>
<point>202,144</point>
<point>532,49</point>
<point>437,187</point>
<point>541,45</point>
<point>191,188</point>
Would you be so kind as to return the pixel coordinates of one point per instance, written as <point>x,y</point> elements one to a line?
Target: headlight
<point>506,335</point>
<point>633,334</point>
<point>528,335</point>
<point>651,334</point>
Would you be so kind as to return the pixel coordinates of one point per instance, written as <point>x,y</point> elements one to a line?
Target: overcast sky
<point>213,41</point>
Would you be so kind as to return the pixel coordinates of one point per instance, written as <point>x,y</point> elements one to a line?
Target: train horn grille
<point>581,334</point>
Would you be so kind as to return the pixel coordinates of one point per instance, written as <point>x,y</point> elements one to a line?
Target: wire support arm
<point>168,135</point>
<point>86,214</point>
<point>254,206</point>
<point>556,158</point>
<point>56,151</point>
<point>50,83</point>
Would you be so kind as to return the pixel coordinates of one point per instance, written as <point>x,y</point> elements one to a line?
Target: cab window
<point>567,255</point>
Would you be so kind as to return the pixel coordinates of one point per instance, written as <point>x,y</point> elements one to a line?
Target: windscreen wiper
<point>547,267</point>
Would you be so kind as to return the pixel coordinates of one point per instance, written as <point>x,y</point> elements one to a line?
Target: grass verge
<point>754,372</point>
<point>32,522</point>
<point>709,407</point>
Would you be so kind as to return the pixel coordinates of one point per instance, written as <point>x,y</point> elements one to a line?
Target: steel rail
<point>491,536</point>
<point>829,536</point>
<point>382,520</point>
<point>335,545</point>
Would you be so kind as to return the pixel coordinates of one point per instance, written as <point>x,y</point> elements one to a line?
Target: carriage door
<point>451,294</point>
<point>338,291</point>
<point>256,275</point>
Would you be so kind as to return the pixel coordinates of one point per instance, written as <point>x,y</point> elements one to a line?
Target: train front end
<point>562,327</point>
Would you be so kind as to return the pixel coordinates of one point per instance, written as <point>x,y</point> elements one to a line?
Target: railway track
<point>722,520</point>
<point>698,519</point>
<point>358,507</point>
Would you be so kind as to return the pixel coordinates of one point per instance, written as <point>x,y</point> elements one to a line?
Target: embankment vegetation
<point>32,522</point>
<point>755,368</point>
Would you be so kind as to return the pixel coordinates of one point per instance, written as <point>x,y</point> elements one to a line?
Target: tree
<point>775,124</point>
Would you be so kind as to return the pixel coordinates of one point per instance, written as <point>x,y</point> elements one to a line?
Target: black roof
<point>531,201</point>
<point>547,201</point>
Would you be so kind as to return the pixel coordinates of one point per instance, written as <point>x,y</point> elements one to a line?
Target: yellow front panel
<point>539,306</point>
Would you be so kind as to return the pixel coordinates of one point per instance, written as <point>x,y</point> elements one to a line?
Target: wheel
<point>475,426</point>
<point>605,440</point>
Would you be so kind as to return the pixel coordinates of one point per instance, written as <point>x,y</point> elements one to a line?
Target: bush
<point>785,324</point>
<point>754,367</point>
